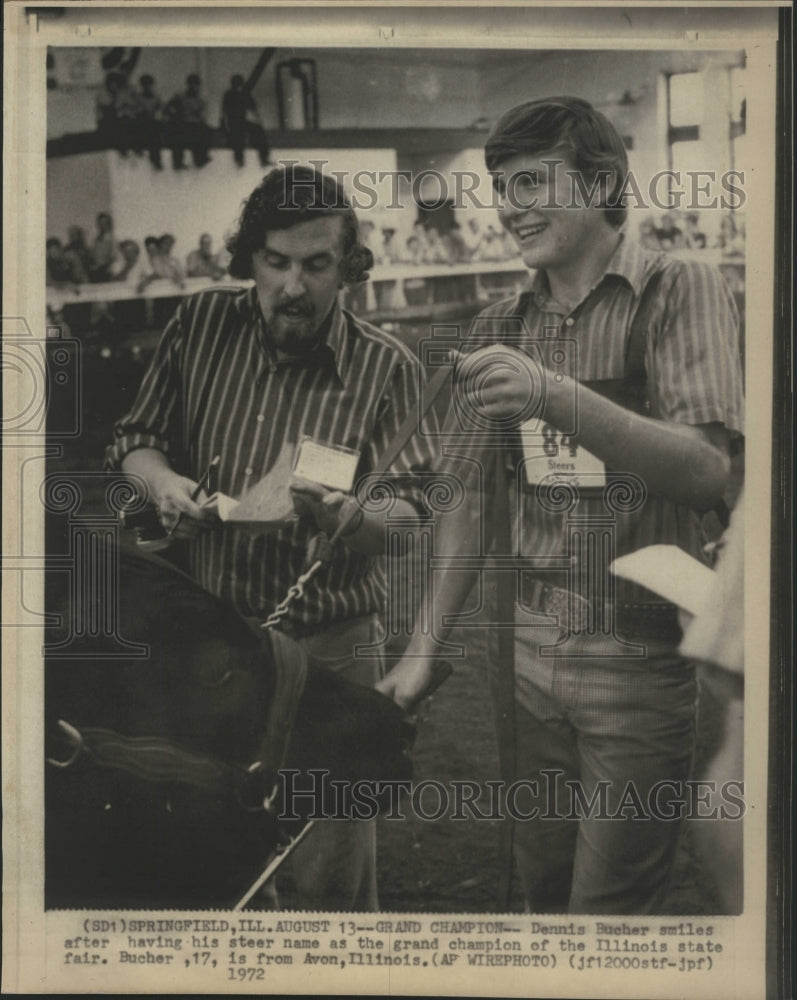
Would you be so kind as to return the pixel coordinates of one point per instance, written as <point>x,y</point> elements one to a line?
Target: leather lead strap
<point>502,671</point>
<point>412,422</point>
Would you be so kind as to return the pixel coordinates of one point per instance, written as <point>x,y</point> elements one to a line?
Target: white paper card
<point>331,467</point>
<point>670,572</point>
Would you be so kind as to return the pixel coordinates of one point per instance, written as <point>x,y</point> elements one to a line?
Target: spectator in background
<point>117,112</point>
<point>125,315</point>
<point>436,250</point>
<point>731,236</point>
<point>413,252</point>
<point>187,124</point>
<point>421,251</point>
<point>390,251</point>
<point>62,269</point>
<point>456,248</point>
<point>670,234</point>
<point>368,236</point>
<point>150,115</point>
<point>149,266</point>
<point>472,237</point>
<point>78,250</point>
<point>202,262</point>
<point>152,250</point>
<point>104,251</point>
<point>491,247</point>
<point>647,234</point>
<point>166,265</point>
<point>129,267</point>
<point>695,239</point>
<point>240,121</point>
<point>223,258</point>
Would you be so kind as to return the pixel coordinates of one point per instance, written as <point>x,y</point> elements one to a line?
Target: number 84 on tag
<point>549,452</point>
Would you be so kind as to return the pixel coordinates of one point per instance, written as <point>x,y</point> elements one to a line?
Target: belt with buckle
<point>575,613</point>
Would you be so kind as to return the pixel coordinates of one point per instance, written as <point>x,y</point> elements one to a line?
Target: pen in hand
<point>203,482</point>
<point>206,478</point>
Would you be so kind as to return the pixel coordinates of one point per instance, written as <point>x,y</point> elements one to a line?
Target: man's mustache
<point>303,306</point>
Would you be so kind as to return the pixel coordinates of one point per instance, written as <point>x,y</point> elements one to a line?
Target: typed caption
<point>284,952</point>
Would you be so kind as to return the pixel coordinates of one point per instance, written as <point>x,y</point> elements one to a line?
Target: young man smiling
<point>630,361</point>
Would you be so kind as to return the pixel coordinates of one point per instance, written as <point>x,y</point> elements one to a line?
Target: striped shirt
<point>214,387</point>
<point>693,377</point>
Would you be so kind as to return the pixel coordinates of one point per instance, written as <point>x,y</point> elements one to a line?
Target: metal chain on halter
<point>319,553</point>
<point>294,593</point>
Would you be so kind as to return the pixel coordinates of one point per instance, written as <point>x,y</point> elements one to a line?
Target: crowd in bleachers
<point>425,245</point>
<point>678,230</point>
<point>107,259</point>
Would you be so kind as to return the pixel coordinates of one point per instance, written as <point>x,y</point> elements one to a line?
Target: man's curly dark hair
<point>284,198</point>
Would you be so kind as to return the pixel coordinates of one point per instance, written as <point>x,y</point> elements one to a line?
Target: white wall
<point>78,187</point>
<point>185,203</point>
<point>603,77</point>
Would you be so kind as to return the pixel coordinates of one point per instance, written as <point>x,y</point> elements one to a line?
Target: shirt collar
<point>628,262</point>
<point>249,308</point>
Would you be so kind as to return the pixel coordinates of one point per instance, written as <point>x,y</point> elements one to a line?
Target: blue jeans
<point>335,867</point>
<point>627,723</point>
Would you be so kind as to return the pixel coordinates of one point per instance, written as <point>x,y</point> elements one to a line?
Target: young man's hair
<point>286,197</point>
<point>567,125</point>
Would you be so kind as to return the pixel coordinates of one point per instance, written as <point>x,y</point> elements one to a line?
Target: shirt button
<point>260,418</point>
<point>248,470</point>
<point>569,321</point>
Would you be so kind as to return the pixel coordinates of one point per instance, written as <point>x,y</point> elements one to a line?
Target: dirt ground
<point>454,866</point>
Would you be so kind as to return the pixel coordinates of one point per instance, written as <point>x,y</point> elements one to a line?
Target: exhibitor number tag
<point>550,453</point>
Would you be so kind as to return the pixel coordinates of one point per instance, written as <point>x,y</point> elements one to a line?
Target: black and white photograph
<point>392,523</point>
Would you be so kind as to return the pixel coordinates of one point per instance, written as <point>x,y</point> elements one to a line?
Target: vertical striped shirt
<point>214,387</point>
<point>693,368</point>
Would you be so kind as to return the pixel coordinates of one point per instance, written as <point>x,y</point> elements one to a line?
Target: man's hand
<point>407,681</point>
<point>180,514</point>
<point>322,506</point>
<point>503,383</point>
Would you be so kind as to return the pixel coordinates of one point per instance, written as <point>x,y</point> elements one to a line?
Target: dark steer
<point>158,764</point>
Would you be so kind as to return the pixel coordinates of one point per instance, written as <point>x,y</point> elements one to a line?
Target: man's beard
<point>294,328</point>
